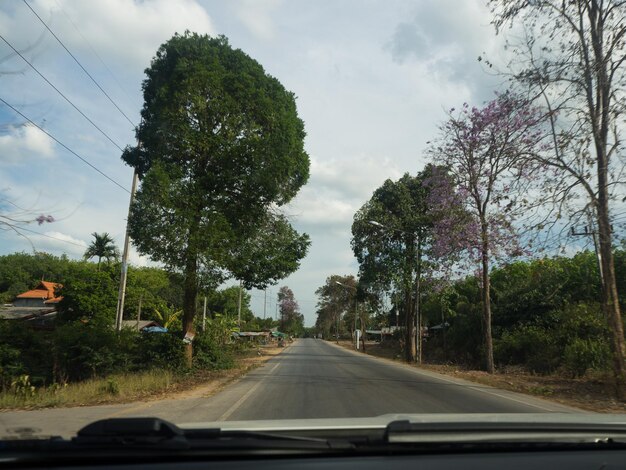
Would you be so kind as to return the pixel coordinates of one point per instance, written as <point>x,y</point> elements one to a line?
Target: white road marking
<point>241,401</point>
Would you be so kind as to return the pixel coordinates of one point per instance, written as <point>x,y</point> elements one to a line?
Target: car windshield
<point>222,211</point>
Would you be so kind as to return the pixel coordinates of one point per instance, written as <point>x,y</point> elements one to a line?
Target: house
<point>37,306</point>
<point>139,325</point>
<point>41,296</point>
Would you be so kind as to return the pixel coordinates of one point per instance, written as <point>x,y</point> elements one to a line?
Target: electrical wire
<point>60,93</point>
<point>93,50</point>
<point>79,64</point>
<point>86,162</point>
<point>50,236</point>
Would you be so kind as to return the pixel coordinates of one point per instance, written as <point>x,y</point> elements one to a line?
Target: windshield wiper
<point>407,432</point>
<point>155,434</point>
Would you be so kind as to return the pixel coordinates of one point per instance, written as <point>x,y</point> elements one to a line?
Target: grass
<point>128,387</point>
<point>115,388</point>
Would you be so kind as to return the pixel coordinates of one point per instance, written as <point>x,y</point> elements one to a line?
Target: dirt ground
<point>593,392</point>
<point>214,381</point>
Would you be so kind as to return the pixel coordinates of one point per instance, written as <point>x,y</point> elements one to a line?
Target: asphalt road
<point>309,379</point>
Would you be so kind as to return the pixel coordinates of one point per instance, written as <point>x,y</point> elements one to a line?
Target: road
<point>309,379</point>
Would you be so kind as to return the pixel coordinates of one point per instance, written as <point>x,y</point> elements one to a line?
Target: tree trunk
<point>189,303</point>
<point>486,298</point>
<point>410,326</point>
<point>610,302</point>
<point>363,327</point>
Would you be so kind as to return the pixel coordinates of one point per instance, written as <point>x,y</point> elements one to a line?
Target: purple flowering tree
<point>291,320</point>
<point>488,153</point>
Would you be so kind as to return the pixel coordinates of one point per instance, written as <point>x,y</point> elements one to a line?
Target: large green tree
<point>220,145</point>
<point>389,234</point>
<point>336,300</point>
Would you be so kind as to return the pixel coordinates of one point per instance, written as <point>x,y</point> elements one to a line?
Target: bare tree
<point>572,58</point>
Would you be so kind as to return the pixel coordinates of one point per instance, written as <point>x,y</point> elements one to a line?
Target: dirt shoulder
<point>217,380</point>
<point>591,393</point>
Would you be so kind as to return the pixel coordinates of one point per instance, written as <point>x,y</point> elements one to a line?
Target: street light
<point>418,320</point>
<point>356,313</point>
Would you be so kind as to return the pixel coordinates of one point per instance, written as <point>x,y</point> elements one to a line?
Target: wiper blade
<point>406,431</point>
<point>141,432</point>
<point>159,435</point>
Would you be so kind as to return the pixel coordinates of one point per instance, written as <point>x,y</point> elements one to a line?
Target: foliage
<point>391,236</point>
<point>336,299</point>
<point>210,354</point>
<point>546,317</point>
<point>571,60</point>
<point>221,143</point>
<point>488,152</point>
<point>102,246</point>
<point>91,293</point>
<point>291,320</point>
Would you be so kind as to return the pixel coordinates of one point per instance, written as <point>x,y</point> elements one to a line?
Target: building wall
<point>29,303</point>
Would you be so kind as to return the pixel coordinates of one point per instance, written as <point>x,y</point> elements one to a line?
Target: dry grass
<point>114,389</point>
<point>145,386</point>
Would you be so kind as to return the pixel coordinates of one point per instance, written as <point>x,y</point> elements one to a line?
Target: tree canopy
<point>221,145</point>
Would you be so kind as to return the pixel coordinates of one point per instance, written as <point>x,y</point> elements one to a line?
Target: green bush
<point>533,346</point>
<point>92,349</point>
<point>161,350</point>
<point>208,354</point>
<point>584,354</point>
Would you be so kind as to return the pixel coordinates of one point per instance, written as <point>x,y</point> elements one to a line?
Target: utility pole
<point>418,312</point>
<point>264,302</point>
<point>590,232</point>
<point>122,291</point>
<point>139,310</point>
<point>239,306</point>
<point>204,316</point>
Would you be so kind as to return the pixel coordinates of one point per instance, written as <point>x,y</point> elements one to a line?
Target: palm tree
<point>102,247</point>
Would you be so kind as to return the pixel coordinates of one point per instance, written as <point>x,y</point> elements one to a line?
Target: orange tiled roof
<point>44,290</point>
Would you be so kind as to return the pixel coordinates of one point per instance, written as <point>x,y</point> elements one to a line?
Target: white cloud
<point>256,15</point>
<point>128,32</point>
<point>25,144</point>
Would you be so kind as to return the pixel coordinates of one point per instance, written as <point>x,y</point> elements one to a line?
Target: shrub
<point>584,354</point>
<point>533,346</point>
<point>161,350</point>
<point>92,349</point>
<point>209,355</point>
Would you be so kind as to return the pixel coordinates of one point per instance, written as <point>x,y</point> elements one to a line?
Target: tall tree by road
<point>291,320</point>
<point>573,59</point>
<point>336,300</point>
<point>488,153</point>
<point>221,145</point>
<point>101,247</point>
<point>388,235</point>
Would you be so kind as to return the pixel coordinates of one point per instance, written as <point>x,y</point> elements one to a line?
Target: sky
<point>373,80</point>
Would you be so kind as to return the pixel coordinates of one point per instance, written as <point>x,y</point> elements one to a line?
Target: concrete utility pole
<point>122,291</point>
<point>264,302</point>
<point>204,316</point>
<point>590,232</point>
<point>239,306</point>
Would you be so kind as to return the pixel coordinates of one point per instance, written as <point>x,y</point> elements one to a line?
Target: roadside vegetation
<point>79,358</point>
<point>458,249</point>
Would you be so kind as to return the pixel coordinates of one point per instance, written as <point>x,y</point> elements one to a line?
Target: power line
<point>50,236</point>
<point>79,64</point>
<point>60,93</point>
<point>63,145</point>
<point>93,50</point>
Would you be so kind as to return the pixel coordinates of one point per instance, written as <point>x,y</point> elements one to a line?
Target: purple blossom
<point>43,219</point>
